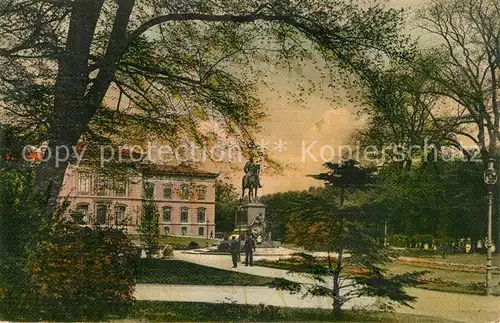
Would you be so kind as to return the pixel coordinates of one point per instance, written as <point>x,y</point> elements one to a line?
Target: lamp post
<point>208,221</point>
<point>490,178</point>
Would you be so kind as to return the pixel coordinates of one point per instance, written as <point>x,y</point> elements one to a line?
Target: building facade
<point>185,197</point>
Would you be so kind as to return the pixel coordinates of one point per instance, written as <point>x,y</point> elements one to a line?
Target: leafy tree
<point>406,121</point>
<point>466,70</point>
<point>149,228</point>
<point>355,260</point>
<point>19,226</point>
<point>346,176</point>
<point>278,207</point>
<point>171,66</point>
<point>435,198</point>
<point>350,234</point>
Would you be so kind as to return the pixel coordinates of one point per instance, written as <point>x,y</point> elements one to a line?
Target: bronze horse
<point>250,182</point>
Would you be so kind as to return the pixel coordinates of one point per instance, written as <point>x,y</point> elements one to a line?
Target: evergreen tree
<point>149,229</point>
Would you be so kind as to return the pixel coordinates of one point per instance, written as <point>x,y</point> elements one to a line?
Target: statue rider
<point>252,169</point>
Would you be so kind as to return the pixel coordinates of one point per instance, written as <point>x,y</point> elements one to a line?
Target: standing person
<point>235,251</point>
<point>249,249</point>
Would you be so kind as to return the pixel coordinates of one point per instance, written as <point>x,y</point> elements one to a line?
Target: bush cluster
<point>54,269</point>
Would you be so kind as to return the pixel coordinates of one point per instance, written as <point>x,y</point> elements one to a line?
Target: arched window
<point>166,230</point>
<point>201,215</point>
<point>167,214</point>
<point>201,192</point>
<point>184,215</point>
<point>184,231</point>
<point>185,191</point>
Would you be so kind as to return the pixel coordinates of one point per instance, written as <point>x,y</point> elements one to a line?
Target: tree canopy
<point>171,66</point>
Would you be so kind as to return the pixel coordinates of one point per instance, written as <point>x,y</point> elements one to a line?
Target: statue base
<point>252,210</point>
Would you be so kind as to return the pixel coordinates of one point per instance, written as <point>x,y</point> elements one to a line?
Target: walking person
<point>235,251</point>
<point>249,249</point>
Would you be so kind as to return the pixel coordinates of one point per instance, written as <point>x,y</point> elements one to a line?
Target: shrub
<point>83,273</point>
<point>224,246</point>
<point>193,245</point>
<point>400,240</point>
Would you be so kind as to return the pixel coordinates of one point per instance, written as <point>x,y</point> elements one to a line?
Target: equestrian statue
<point>251,180</point>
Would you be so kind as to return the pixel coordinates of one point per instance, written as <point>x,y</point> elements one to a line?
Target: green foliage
<point>230,311</point>
<point>346,176</point>
<point>149,229</point>
<point>350,231</point>
<point>226,205</point>
<point>20,231</point>
<point>278,211</point>
<point>82,273</point>
<point>441,199</point>
<point>56,270</point>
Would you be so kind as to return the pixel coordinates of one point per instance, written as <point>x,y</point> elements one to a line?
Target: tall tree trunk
<point>75,103</point>
<point>336,286</point>
<point>71,115</point>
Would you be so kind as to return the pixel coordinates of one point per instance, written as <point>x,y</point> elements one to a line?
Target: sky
<point>301,137</point>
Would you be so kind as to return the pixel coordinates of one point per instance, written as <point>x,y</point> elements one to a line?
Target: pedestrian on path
<point>235,251</point>
<point>249,249</point>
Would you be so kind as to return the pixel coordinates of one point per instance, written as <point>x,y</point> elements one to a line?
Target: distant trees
<point>278,211</point>
<point>226,205</point>
<point>436,199</point>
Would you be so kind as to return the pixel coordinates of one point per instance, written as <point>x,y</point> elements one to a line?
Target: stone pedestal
<point>252,210</point>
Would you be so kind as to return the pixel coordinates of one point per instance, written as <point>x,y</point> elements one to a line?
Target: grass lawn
<point>203,312</point>
<point>181,241</point>
<point>186,273</point>
<point>439,278</point>
<point>469,259</point>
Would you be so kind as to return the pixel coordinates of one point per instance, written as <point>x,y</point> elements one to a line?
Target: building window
<point>83,210</point>
<point>102,187</point>
<point>184,215</point>
<point>201,215</point>
<point>201,192</point>
<point>102,214</point>
<point>167,191</point>
<point>84,183</point>
<point>120,217</point>
<point>201,231</point>
<point>167,211</point>
<point>120,187</point>
<point>166,230</point>
<point>184,231</point>
<point>149,190</point>
<point>184,191</point>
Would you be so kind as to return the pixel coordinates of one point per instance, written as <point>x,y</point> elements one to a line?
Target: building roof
<point>156,169</point>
